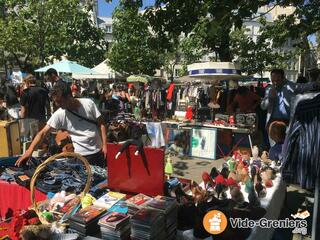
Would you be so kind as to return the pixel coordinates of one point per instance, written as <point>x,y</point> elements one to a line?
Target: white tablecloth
<point>273,203</point>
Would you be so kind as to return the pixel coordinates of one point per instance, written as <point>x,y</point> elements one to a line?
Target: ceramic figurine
<point>265,157</point>
<point>168,168</point>
<point>256,161</point>
<point>266,177</point>
<point>260,189</point>
<point>236,195</point>
<point>221,187</point>
<point>252,197</point>
<point>214,173</point>
<point>231,164</point>
<point>208,181</point>
<point>233,176</point>
<point>231,183</point>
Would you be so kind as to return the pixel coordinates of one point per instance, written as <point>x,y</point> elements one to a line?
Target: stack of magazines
<point>85,222</point>
<point>108,200</point>
<point>137,202</point>
<point>115,225</point>
<point>168,207</point>
<point>148,224</point>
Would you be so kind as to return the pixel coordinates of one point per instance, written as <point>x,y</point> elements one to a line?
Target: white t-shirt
<point>85,135</point>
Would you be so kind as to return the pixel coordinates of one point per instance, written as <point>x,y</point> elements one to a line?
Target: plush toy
<point>87,200</point>
<point>59,199</point>
<point>45,232</point>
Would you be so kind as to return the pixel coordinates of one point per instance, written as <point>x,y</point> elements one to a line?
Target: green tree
<point>211,20</point>
<point>257,56</point>
<point>34,32</point>
<point>135,49</point>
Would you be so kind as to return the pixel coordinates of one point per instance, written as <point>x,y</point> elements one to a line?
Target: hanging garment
<point>301,149</point>
<point>170,92</point>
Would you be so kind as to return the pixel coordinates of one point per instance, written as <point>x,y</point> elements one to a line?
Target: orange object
<point>189,113</point>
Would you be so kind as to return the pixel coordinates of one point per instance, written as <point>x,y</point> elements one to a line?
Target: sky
<point>106,9</point>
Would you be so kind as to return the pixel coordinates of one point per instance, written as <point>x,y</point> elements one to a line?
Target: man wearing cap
<point>83,121</point>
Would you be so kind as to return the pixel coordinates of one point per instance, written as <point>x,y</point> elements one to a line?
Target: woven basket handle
<point>44,164</point>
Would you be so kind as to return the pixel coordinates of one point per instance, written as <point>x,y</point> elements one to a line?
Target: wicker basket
<point>35,206</point>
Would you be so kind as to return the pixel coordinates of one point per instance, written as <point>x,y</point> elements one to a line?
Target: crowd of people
<point>54,104</point>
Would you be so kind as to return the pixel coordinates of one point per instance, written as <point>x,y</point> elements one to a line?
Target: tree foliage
<point>211,20</point>
<point>257,56</point>
<point>213,26</point>
<point>135,49</point>
<point>32,32</point>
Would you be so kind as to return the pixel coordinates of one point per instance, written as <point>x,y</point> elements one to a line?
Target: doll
<point>256,161</point>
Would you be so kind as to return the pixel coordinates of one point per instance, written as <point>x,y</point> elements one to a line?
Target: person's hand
<point>273,93</point>
<point>104,151</point>
<point>23,158</point>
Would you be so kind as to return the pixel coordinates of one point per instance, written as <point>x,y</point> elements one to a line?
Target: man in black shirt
<point>35,102</point>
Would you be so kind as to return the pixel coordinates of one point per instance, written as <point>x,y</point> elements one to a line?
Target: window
<point>109,29</point>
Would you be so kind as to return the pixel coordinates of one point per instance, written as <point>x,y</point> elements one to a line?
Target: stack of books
<point>115,226</point>
<point>85,222</point>
<point>108,199</point>
<point>148,224</point>
<point>168,207</point>
<point>137,202</point>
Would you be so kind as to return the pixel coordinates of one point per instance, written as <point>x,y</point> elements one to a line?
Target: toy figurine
<point>266,177</point>
<point>168,168</point>
<point>231,164</point>
<point>256,161</point>
<point>252,197</point>
<point>265,157</point>
<point>236,195</point>
<point>260,189</point>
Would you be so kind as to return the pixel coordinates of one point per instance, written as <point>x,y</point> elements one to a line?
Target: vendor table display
<point>202,137</point>
<point>273,203</point>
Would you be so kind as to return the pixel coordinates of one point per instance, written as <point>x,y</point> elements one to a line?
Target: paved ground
<point>193,168</point>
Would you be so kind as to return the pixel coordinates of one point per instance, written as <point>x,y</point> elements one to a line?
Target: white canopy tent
<point>103,72</point>
<point>214,71</point>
